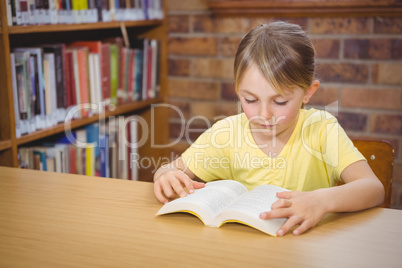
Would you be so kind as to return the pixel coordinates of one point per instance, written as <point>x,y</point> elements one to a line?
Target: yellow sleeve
<point>337,149</point>
<point>207,157</point>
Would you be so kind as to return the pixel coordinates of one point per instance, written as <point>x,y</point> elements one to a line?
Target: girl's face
<point>269,112</point>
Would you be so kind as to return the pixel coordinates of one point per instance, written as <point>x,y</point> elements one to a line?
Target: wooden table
<point>59,220</point>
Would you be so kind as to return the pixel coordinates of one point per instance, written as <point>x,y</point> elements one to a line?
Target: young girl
<point>276,141</point>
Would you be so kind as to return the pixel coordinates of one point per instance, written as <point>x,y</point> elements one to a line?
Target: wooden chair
<point>380,157</point>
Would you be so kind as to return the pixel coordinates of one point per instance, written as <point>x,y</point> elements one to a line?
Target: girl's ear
<point>310,91</point>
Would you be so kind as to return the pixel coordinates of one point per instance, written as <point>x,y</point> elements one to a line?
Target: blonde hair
<point>282,51</point>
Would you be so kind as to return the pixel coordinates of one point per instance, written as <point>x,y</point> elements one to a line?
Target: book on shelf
<point>107,149</point>
<point>224,201</point>
<point>38,12</point>
<point>50,80</point>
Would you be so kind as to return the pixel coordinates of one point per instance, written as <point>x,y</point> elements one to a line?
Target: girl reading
<point>275,140</point>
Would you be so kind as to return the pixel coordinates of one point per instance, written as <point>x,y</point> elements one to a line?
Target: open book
<point>229,201</point>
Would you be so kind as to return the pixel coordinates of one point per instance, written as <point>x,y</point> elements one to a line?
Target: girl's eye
<point>281,102</point>
<point>250,101</point>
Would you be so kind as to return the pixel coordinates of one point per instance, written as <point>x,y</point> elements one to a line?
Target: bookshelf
<point>32,35</point>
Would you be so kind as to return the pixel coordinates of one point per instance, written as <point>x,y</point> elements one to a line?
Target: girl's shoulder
<point>318,117</point>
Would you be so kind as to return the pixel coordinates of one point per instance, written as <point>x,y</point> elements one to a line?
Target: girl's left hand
<point>305,209</point>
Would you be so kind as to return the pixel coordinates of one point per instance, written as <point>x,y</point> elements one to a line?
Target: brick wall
<point>360,69</point>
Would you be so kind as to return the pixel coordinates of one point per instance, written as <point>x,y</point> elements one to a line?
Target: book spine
<point>36,83</point>
<point>24,14</point>
<point>149,72</point>
<point>32,82</point>
<point>31,12</point>
<point>47,86</point>
<point>15,96</point>
<point>92,83</point>
<point>105,64</point>
<point>68,79</point>
<point>145,70</point>
<point>82,56</point>
<point>98,77</point>
<point>114,73</point>
<point>9,13</point>
<point>130,90</point>
<point>73,160</point>
<point>53,87</point>
<point>139,68</point>
<point>76,76</point>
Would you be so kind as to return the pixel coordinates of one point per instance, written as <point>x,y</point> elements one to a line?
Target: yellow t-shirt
<point>314,157</point>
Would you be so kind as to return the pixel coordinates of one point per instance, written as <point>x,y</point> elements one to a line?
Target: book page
<point>248,207</point>
<point>207,201</point>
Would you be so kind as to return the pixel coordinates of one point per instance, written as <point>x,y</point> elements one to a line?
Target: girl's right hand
<point>170,182</point>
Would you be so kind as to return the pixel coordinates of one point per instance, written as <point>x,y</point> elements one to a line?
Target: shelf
<point>80,27</point>
<point>303,7</point>
<point>120,110</point>
<point>4,145</point>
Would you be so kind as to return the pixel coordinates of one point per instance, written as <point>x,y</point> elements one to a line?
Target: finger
<point>168,190</point>
<point>281,203</point>
<point>289,224</point>
<point>276,213</point>
<point>303,227</point>
<point>198,185</point>
<point>284,195</point>
<point>186,181</point>
<point>178,187</point>
<point>159,195</point>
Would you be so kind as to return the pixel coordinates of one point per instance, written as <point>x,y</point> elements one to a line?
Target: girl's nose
<point>266,112</point>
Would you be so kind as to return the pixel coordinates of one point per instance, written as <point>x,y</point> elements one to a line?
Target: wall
<point>360,69</point>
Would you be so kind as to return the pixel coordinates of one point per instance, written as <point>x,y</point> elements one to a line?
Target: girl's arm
<point>361,190</point>
<point>171,179</point>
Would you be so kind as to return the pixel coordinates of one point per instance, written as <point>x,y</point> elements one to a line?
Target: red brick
<point>352,121</point>
<point>324,96</point>
<point>195,128</point>
<point>326,48</point>
<point>368,48</point>
<point>214,68</point>
<point>179,67</point>
<point>229,46</point>
<point>227,25</point>
<point>188,5</point>
<point>188,131</point>
<point>193,46</point>
<point>343,72</point>
<point>228,92</point>
<point>387,73</point>
<point>396,49</point>
<point>396,191</point>
<point>389,25</point>
<point>194,89</point>
<point>203,23</point>
<point>340,26</point>
<point>397,175</point>
<point>178,24</point>
<point>386,124</point>
<point>302,22</point>
<point>183,108</point>
<point>178,148</point>
<point>374,73</point>
<point>371,98</point>
<point>176,130</point>
<point>212,110</point>
<point>176,88</point>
